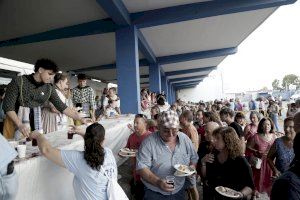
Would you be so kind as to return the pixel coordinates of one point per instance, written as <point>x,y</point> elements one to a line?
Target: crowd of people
<point>214,139</point>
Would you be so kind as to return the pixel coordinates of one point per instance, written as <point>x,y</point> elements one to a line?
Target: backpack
<point>114,190</point>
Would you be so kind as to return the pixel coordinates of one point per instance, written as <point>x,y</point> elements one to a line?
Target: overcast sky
<point>270,52</point>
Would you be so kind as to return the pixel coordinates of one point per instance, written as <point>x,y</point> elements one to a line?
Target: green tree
<point>290,79</point>
<point>275,85</point>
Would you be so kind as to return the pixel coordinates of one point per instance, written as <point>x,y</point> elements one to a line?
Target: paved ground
<point>125,172</point>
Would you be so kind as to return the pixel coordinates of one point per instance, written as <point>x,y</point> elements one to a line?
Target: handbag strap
<point>21,92</point>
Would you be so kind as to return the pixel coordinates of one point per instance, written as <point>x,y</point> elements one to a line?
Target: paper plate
<point>129,151</point>
<point>127,154</point>
<point>184,169</point>
<point>228,192</point>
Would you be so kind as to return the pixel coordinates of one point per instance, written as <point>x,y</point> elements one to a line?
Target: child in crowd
<point>152,125</point>
<point>111,110</point>
<point>240,119</point>
<point>134,142</point>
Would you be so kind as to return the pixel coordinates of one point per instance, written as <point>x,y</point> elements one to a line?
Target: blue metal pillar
<point>128,74</point>
<point>164,85</point>
<point>170,93</point>
<point>174,94</point>
<point>154,78</point>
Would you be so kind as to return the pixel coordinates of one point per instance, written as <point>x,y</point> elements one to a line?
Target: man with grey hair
<point>157,156</point>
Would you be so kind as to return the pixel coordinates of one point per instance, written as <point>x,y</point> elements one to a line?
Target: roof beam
<point>187,78</point>
<point>200,10</point>
<point>189,71</point>
<point>196,81</point>
<point>185,87</point>
<point>170,59</point>
<point>185,81</point>
<point>121,16</point>
<point>145,48</point>
<point>148,18</point>
<point>116,10</point>
<point>179,85</point>
<point>89,28</point>
<point>196,55</point>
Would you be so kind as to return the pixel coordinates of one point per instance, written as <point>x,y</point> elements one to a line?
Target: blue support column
<point>173,94</point>
<point>164,85</point>
<point>154,78</point>
<point>170,93</point>
<point>128,74</point>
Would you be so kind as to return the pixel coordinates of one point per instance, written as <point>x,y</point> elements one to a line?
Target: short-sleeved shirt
<point>238,129</point>
<point>192,133</point>
<point>284,155</point>
<point>233,173</point>
<point>89,183</point>
<point>7,153</point>
<point>34,94</point>
<point>134,142</point>
<point>155,155</point>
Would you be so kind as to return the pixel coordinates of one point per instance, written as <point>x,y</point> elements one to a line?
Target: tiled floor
<point>125,172</point>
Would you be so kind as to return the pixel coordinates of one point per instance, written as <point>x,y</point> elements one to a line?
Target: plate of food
<point>126,152</point>
<point>228,192</point>
<point>183,170</point>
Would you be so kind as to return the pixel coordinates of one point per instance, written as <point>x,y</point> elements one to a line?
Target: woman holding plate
<point>226,167</point>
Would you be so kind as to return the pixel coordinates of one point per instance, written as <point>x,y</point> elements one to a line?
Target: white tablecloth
<point>40,179</point>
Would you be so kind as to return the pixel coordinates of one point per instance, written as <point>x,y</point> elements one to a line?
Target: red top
<point>134,141</point>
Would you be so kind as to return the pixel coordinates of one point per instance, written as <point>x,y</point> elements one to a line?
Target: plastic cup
<point>70,132</point>
<point>70,135</point>
<point>34,142</point>
<point>21,150</point>
<point>171,180</point>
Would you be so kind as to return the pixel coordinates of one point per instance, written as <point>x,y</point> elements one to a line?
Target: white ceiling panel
<point>208,62</point>
<point>142,5</point>
<point>71,53</point>
<point>20,18</point>
<point>204,34</point>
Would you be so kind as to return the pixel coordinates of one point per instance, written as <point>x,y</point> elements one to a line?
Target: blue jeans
<point>151,195</point>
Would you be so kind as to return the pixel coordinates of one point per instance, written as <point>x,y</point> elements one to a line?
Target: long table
<point>40,179</point>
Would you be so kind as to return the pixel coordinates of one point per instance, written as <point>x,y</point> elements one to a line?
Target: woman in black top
<point>226,166</point>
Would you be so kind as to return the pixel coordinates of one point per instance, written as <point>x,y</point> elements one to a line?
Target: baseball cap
<point>169,119</point>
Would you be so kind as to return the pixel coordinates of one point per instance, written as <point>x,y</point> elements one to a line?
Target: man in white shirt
<point>8,177</point>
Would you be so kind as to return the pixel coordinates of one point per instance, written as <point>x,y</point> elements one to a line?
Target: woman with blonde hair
<point>226,166</point>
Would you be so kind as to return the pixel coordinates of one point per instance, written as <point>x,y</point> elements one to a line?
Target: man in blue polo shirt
<point>8,177</point>
<point>157,156</point>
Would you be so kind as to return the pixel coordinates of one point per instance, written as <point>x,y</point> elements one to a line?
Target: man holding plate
<point>159,153</point>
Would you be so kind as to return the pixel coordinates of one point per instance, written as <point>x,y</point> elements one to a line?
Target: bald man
<point>204,147</point>
<point>297,122</point>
